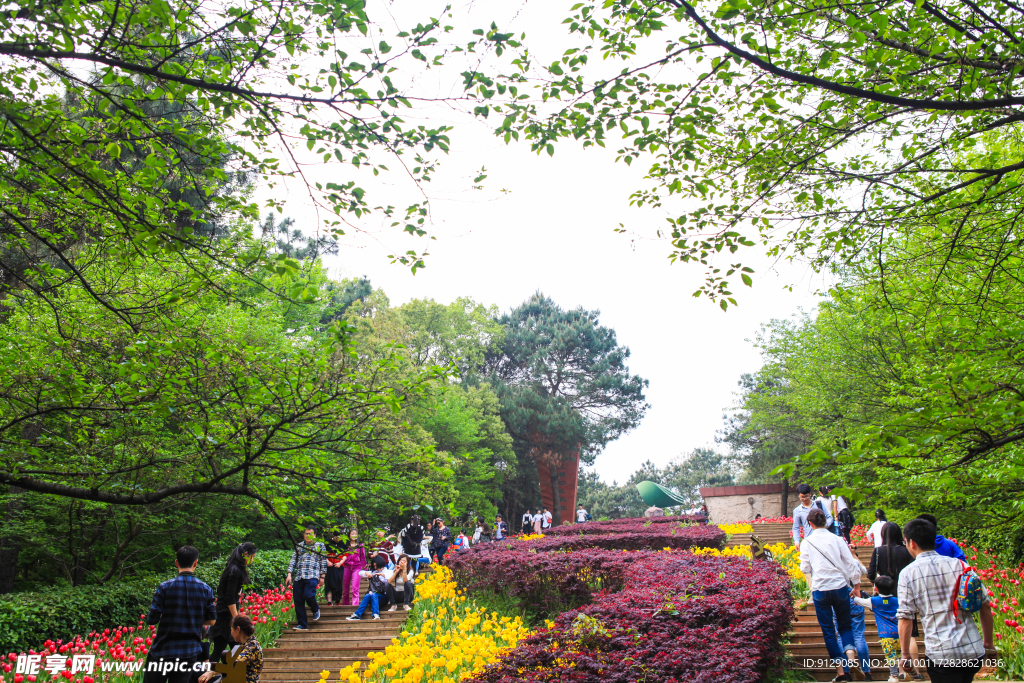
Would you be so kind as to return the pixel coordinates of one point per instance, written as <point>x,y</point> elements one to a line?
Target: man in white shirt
<point>581,514</point>
<point>800,514</point>
<point>832,570</point>
<point>953,646</point>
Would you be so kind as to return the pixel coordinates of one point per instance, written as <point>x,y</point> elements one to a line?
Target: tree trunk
<point>10,545</point>
<point>785,497</point>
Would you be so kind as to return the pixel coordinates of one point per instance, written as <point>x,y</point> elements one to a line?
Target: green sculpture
<point>657,495</point>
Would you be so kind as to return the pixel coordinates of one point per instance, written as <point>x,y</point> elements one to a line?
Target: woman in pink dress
<point>354,562</point>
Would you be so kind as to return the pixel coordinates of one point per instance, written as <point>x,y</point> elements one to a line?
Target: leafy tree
<point>564,386</point>
<point>818,131</point>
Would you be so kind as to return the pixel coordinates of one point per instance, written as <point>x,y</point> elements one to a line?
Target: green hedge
<point>28,619</point>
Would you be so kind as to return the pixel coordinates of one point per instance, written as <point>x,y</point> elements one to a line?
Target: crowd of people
<point>921,581</point>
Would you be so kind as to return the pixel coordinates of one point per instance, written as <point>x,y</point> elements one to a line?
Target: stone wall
<point>731,504</point>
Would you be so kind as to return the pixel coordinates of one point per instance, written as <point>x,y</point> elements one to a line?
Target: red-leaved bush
<point>649,538</point>
<point>625,525</point>
<point>676,617</point>
<point>543,584</point>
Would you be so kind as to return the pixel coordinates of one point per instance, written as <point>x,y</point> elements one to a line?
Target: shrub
<point>544,584</point>
<point>625,524</point>
<point>30,618</point>
<point>678,617</point>
<point>634,537</point>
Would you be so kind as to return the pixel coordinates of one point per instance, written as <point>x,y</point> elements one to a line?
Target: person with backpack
<point>581,514</point>
<point>945,593</point>
<point>801,528</point>
<point>379,581</point>
<point>832,572</point>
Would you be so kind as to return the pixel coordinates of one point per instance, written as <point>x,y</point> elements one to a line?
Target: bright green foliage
<point>142,123</point>
<point>466,427</point>
<point>817,130</point>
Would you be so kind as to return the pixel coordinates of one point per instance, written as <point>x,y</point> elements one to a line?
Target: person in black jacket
<point>229,590</point>
<point>890,559</point>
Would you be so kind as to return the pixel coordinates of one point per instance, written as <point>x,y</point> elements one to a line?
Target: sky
<point>547,224</point>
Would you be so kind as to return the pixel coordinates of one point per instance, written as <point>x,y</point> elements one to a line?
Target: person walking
<point>801,528</point>
<point>410,539</point>
<point>833,571</point>
<point>953,646</point>
<point>308,565</point>
<point>229,591</point>
<point>890,559</point>
<point>353,563</point>
<point>944,546</point>
<point>500,529</point>
<point>581,514</point>
<point>180,609</point>
<point>247,652</point>
<point>538,517</point>
<point>527,523</point>
<point>334,582</point>
<point>486,532</point>
<point>875,530</point>
<point>884,606</point>
<point>545,525</point>
<point>442,538</point>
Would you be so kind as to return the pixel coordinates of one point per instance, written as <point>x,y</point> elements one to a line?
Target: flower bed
<point>544,584</point>
<point>1005,591</point>
<point>654,537</point>
<point>625,524</point>
<point>678,617</point>
<point>123,644</point>
<point>769,520</point>
<point>447,639</point>
<point>737,528</point>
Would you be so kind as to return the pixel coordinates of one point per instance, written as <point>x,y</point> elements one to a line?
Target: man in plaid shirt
<point>181,608</point>
<point>953,645</point>
<point>309,567</point>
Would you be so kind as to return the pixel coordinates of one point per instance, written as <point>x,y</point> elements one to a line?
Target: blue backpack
<point>968,593</point>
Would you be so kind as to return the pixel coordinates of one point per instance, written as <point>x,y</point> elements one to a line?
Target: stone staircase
<point>331,643</point>
<point>806,645</point>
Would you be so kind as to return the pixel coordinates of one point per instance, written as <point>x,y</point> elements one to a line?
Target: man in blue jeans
<point>832,569</point>
<point>309,566</point>
<point>859,640</point>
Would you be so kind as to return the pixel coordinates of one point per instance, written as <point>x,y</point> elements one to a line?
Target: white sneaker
<point>407,607</point>
<point>893,679</point>
<point>352,617</point>
<point>392,608</point>
<point>376,616</point>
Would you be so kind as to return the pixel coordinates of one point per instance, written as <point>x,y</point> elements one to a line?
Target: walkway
<point>806,645</point>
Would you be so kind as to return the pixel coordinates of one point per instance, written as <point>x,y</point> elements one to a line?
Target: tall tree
<point>565,391</point>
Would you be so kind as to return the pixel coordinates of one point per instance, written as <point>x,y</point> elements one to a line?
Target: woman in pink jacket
<point>354,562</point>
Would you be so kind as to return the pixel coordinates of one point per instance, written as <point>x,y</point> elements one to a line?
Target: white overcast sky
<point>552,231</point>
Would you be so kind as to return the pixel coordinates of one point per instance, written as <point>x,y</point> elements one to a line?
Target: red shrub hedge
<point>654,537</point>
<point>626,524</point>
<point>676,618</point>
<point>544,584</point>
